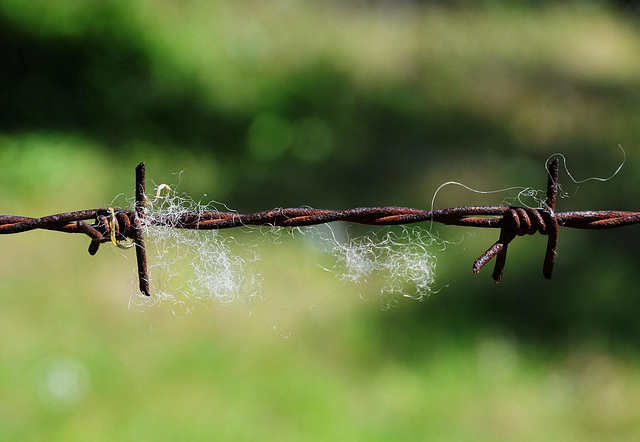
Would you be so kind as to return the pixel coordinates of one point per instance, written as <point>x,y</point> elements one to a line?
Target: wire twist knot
<point>520,221</point>
<point>110,226</point>
<point>526,221</point>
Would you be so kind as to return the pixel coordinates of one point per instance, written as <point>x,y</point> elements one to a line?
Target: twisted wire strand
<point>470,216</point>
<point>512,222</point>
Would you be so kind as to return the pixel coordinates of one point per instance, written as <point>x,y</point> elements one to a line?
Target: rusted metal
<point>552,223</point>
<point>138,236</point>
<point>512,222</point>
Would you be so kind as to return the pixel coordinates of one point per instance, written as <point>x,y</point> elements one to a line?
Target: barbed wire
<point>117,225</point>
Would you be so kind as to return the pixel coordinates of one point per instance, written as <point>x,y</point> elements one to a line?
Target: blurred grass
<point>155,376</point>
<point>396,100</point>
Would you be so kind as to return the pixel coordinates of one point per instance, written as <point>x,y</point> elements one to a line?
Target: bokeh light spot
<point>313,140</point>
<point>269,136</point>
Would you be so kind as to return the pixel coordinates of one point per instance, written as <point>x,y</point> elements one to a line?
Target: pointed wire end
<point>487,256</point>
<point>93,247</point>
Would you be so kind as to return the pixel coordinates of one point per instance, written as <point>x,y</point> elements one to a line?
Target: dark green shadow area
<point>100,83</point>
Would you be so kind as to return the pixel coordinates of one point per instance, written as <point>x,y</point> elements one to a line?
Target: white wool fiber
<point>390,262</point>
<point>191,268</point>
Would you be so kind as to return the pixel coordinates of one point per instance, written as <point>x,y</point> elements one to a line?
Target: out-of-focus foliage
<point>337,104</point>
<point>390,87</point>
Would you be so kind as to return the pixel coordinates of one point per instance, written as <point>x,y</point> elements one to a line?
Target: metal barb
<point>512,222</point>
<point>519,221</point>
<point>138,219</point>
<point>552,242</point>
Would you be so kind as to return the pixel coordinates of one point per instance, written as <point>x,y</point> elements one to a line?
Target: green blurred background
<point>329,104</point>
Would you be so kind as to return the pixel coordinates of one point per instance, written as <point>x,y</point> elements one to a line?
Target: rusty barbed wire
<point>114,225</point>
